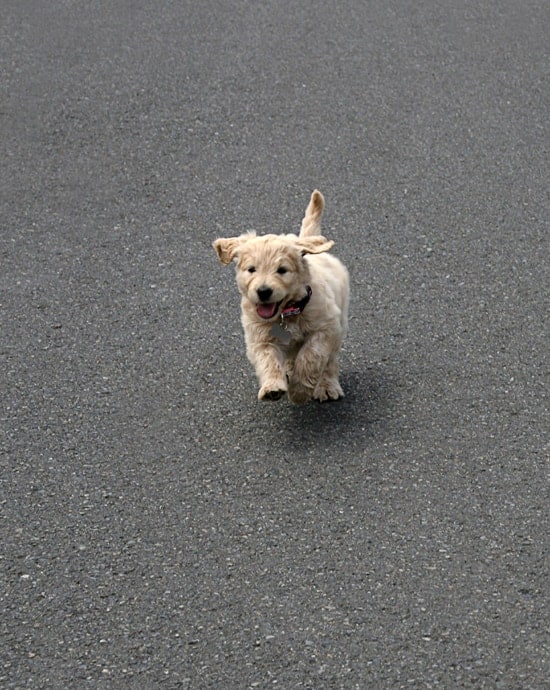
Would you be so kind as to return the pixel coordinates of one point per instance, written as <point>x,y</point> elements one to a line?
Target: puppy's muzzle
<point>264,293</point>
<point>266,309</point>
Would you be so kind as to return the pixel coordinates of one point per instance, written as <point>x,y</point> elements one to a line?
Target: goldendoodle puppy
<point>294,303</point>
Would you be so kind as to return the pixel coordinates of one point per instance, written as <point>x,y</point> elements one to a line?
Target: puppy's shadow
<point>363,409</point>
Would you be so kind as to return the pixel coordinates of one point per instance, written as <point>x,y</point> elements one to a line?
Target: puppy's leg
<point>268,363</point>
<point>329,387</point>
<point>309,365</point>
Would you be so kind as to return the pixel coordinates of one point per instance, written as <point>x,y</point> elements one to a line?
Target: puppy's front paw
<point>272,391</point>
<point>330,390</point>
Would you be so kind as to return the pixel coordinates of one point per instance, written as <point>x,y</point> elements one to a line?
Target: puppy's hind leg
<point>311,361</point>
<point>329,387</point>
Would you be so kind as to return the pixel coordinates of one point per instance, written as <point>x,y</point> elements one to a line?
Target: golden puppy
<point>294,303</point>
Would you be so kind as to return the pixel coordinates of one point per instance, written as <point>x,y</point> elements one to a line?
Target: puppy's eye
<point>251,269</point>
<point>282,270</point>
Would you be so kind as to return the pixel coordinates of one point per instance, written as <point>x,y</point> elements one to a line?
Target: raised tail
<point>311,223</point>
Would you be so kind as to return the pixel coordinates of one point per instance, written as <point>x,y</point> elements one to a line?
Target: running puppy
<point>294,304</point>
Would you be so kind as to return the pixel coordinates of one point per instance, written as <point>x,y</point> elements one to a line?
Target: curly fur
<point>274,271</point>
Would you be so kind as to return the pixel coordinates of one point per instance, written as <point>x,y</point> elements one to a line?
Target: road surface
<point>160,527</point>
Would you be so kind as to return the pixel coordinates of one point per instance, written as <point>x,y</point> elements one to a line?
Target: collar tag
<point>280,332</point>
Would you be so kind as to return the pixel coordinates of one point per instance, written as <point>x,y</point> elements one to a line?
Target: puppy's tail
<point>311,223</point>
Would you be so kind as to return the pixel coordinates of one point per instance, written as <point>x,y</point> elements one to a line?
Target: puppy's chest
<point>287,333</point>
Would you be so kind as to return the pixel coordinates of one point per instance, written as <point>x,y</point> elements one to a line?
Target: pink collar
<point>295,308</point>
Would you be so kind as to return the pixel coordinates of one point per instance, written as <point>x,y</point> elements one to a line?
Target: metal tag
<point>277,331</point>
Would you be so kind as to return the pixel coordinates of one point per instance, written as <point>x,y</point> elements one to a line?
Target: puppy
<point>294,306</point>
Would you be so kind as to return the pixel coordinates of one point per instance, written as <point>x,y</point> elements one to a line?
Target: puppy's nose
<point>264,293</point>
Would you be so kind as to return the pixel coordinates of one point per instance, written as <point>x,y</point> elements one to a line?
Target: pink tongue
<point>267,310</point>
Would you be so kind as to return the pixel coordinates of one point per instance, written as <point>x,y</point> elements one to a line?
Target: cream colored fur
<point>282,266</point>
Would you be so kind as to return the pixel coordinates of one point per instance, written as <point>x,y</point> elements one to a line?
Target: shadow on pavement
<point>360,412</point>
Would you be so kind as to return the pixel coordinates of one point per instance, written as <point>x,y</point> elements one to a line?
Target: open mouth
<point>267,310</point>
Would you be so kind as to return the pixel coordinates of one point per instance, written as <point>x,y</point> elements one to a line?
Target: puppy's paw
<point>328,390</point>
<point>273,390</point>
<point>299,394</point>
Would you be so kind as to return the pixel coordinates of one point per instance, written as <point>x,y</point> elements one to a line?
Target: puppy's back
<point>330,276</point>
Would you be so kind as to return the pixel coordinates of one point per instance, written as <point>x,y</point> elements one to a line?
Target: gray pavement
<point>160,527</point>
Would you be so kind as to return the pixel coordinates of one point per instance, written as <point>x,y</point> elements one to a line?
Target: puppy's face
<point>271,270</point>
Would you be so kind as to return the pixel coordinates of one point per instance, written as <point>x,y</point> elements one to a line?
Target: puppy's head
<point>271,270</point>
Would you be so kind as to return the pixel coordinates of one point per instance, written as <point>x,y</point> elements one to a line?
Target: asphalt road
<point>160,527</point>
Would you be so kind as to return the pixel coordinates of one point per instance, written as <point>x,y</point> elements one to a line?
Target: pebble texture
<point>159,526</point>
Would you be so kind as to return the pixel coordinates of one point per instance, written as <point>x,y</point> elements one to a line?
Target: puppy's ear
<point>226,248</point>
<point>314,245</point>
